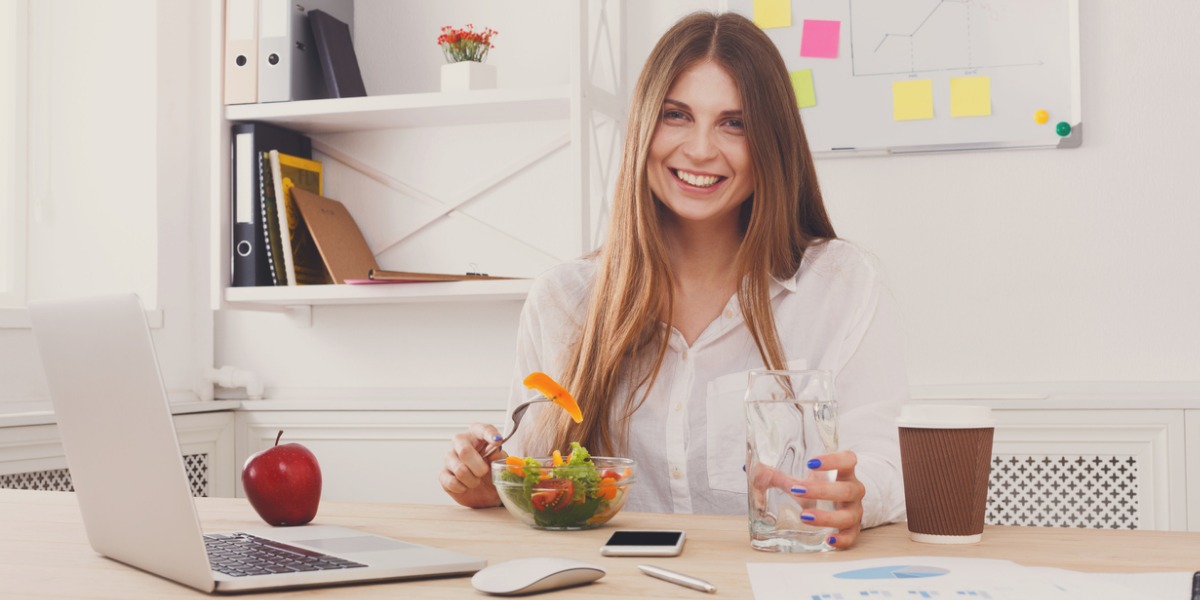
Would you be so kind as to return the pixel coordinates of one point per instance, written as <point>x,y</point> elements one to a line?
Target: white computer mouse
<point>537,574</point>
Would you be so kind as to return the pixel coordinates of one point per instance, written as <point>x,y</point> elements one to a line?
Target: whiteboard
<point>1024,52</point>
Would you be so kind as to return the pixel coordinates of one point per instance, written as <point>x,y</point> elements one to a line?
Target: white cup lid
<point>945,416</point>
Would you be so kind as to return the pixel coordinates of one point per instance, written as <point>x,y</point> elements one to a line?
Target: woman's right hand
<point>467,473</point>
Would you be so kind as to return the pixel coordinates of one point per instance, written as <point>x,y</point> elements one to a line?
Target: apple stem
<point>278,436</point>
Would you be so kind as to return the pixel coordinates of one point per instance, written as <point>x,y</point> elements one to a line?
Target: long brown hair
<point>622,339</point>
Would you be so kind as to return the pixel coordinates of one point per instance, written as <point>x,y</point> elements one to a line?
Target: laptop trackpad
<point>357,543</point>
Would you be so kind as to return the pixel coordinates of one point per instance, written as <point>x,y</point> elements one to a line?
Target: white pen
<point>678,578</point>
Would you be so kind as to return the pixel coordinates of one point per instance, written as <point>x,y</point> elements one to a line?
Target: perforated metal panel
<point>59,480</point>
<point>55,480</point>
<point>197,473</point>
<point>1064,491</point>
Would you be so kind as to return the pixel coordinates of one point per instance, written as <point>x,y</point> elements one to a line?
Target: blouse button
<point>675,473</point>
<point>678,406</point>
<point>729,313</point>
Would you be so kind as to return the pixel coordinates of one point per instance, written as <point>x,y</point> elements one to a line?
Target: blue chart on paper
<point>905,595</point>
<point>893,572</point>
<point>911,591</point>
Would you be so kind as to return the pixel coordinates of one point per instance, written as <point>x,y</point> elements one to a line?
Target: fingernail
<point>743,468</point>
<point>814,463</point>
<point>498,437</point>
<point>832,540</point>
<point>807,517</point>
<point>798,490</point>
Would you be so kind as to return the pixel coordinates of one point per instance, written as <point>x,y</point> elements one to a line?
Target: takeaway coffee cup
<point>946,455</point>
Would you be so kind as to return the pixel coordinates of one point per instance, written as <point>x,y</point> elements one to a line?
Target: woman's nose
<point>700,144</point>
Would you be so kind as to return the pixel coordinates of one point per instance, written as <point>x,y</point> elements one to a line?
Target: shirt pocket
<point>726,437</point>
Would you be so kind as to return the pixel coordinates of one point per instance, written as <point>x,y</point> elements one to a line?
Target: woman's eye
<point>737,124</point>
<point>673,115</point>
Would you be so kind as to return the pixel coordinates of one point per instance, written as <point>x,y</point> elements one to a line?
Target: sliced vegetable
<point>555,392</point>
<point>563,491</point>
<point>542,500</point>
<point>555,494</point>
<point>514,464</point>
<point>607,489</point>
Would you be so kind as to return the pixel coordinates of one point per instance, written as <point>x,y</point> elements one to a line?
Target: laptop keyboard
<point>242,554</point>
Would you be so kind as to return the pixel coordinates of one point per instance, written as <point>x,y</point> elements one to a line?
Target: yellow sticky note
<point>802,83</point>
<point>772,13</point>
<point>912,99</point>
<point>970,96</point>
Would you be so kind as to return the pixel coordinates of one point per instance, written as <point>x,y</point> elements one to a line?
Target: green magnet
<point>1063,129</point>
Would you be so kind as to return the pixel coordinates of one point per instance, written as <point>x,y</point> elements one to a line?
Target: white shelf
<point>315,295</point>
<point>568,102</point>
<point>410,110</point>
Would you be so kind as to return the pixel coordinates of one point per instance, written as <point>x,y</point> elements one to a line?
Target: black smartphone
<point>628,542</point>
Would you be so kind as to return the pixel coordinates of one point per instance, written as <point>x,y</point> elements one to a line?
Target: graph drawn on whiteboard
<point>931,75</point>
<point>898,38</point>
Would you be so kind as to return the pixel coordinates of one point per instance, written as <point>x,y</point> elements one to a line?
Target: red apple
<point>283,483</point>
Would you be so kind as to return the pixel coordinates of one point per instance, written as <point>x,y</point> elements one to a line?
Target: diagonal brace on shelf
<point>448,208</point>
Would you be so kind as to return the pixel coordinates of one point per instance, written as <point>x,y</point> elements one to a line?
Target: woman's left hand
<point>846,492</point>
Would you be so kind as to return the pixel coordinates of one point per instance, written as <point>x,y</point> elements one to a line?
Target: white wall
<point>1015,266</point>
<point>1048,265</point>
<point>115,204</point>
<point>1054,265</point>
<point>1011,266</point>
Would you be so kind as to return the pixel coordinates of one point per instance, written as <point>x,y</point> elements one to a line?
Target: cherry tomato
<point>553,494</point>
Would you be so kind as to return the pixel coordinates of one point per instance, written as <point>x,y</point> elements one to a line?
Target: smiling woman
<point>719,259</point>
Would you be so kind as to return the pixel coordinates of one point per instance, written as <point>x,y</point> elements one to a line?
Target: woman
<point>719,259</point>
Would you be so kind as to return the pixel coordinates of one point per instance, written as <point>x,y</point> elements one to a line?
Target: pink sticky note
<point>820,38</point>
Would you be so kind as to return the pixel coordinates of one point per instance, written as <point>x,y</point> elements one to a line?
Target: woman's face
<point>699,164</point>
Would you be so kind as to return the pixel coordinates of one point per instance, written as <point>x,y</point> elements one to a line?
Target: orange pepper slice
<point>556,457</point>
<point>607,489</point>
<point>516,464</point>
<point>556,393</point>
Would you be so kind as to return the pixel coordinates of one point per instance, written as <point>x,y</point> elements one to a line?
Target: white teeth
<point>697,180</point>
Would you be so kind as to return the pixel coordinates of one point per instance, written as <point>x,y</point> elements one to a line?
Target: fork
<point>517,414</point>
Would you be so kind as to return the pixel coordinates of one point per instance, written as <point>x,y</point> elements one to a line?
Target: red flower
<point>466,43</point>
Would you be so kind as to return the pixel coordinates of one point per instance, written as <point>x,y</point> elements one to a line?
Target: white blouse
<point>689,436</point>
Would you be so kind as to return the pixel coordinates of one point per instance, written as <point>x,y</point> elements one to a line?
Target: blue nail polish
<point>798,490</point>
<point>743,468</point>
<point>832,540</point>
<point>497,437</point>
<point>807,517</point>
<point>814,463</point>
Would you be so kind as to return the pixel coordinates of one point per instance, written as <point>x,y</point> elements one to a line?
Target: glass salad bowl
<point>557,493</point>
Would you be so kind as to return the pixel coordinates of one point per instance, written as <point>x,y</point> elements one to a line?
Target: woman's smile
<point>697,180</point>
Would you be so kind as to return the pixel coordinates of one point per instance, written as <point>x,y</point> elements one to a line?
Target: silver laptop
<point>129,477</point>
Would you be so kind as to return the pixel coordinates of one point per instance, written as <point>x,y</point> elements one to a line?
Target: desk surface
<point>44,550</point>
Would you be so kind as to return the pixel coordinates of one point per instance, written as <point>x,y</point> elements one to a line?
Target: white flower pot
<point>468,75</point>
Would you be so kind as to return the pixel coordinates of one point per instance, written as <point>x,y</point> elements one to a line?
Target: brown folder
<point>345,250</point>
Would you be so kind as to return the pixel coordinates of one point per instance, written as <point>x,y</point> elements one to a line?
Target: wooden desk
<point>44,551</point>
